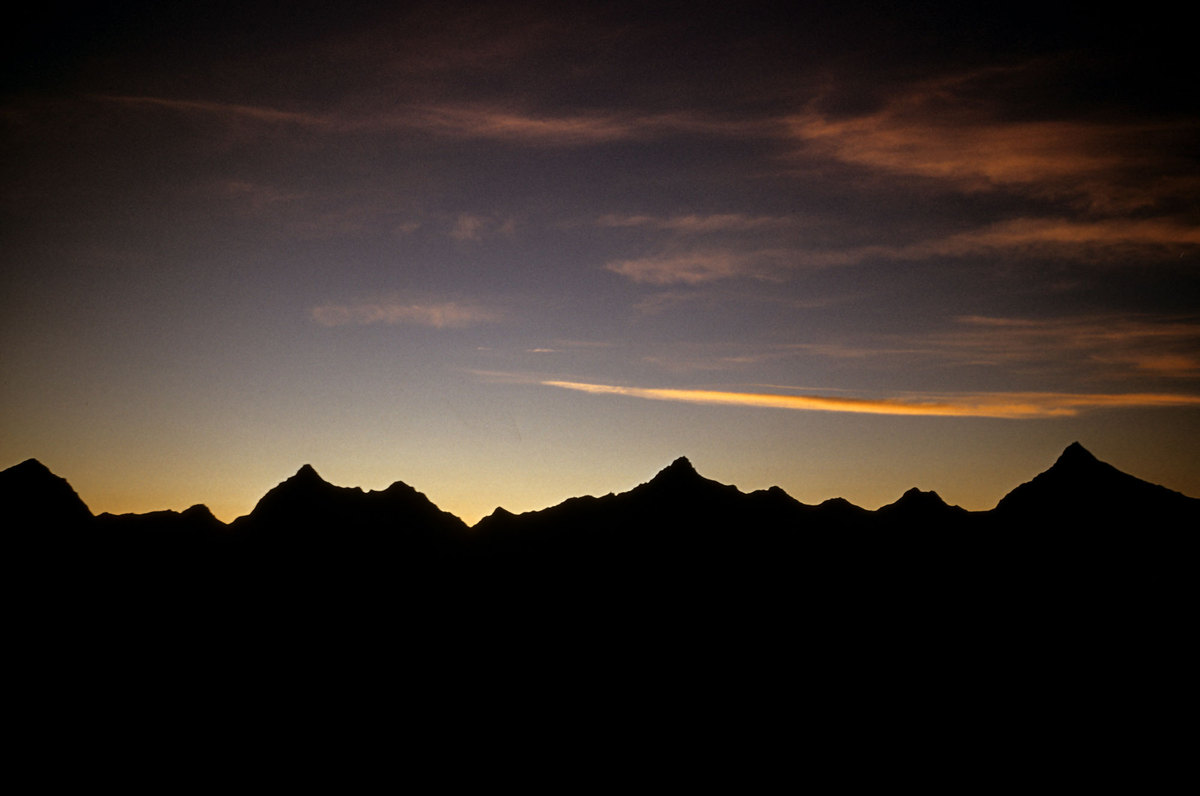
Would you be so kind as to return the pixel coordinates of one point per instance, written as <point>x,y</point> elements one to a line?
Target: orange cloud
<point>941,130</point>
<point>1061,237</point>
<point>991,405</point>
<point>695,267</point>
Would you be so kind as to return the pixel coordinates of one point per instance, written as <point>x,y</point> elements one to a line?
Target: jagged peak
<point>31,466</point>
<point>918,494</point>
<point>1076,454</point>
<point>680,465</point>
<point>307,473</point>
<point>679,471</point>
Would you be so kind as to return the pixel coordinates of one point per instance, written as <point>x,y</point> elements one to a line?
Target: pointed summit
<point>30,468</point>
<point>679,473</point>
<point>1081,489</point>
<point>1076,455</point>
<point>307,474</point>
<point>34,497</point>
<point>680,466</point>
<point>915,496</point>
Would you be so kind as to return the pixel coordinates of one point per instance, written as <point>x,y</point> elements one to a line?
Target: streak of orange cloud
<point>991,405</point>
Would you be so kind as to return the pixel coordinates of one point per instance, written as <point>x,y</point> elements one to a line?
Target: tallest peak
<point>306,473</point>
<point>679,471</point>
<point>1075,453</point>
<point>680,465</point>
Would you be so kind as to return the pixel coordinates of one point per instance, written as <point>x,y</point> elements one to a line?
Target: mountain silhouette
<point>676,513</point>
<point>1079,490</point>
<point>309,537</point>
<point>35,499</point>
<point>307,509</point>
<point>682,593</point>
<point>678,521</point>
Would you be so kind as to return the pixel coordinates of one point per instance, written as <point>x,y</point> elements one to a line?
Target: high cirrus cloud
<point>697,224</point>
<point>953,131</point>
<point>1012,406</point>
<point>475,121</point>
<point>695,267</point>
<point>439,315</point>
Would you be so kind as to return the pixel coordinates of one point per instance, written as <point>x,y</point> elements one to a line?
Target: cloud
<point>229,111</point>
<point>495,123</point>
<point>1090,240</point>
<point>468,227</point>
<point>1095,346</point>
<point>471,227</point>
<point>952,130</point>
<point>1129,345</point>
<point>1109,241</point>
<point>990,405</point>
<point>443,315</point>
<point>698,224</point>
<point>695,267</point>
<point>473,121</point>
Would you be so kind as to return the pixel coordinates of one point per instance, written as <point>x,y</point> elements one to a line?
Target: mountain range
<point>677,508</point>
<point>682,532</point>
<point>736,618</point>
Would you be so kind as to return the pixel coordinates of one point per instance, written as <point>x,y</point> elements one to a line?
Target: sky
<point>510,253</point>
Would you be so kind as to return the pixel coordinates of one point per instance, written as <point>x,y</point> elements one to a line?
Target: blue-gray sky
<point>509,253</point>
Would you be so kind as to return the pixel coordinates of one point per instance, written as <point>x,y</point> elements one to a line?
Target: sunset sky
<point>511,253</point>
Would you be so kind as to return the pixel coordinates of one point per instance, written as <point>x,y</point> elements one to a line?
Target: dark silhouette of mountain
<point>197,521</point>
<point>922,504</point>
<point>678,522</point>
<point>683,597</point>
<point>677,513</point>
<point>314,536</point>
<point>1080,491</point>
<point>921,511</point>
<point>306,509</point>
<point>35,499</point>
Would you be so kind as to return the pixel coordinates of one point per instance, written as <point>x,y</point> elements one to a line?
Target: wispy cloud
<point>706,265</point>
<point>473,227</point>
<point>1134,345</point>
<point>1091,346</point>
<point>1109,242</point>
<point>944,131</point>
<point>1060,237</point>
<point>697,224</point>
<point>228,111</point>
<point>440,315</point>
<point>1013,406</point>
<point>476,121</point>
